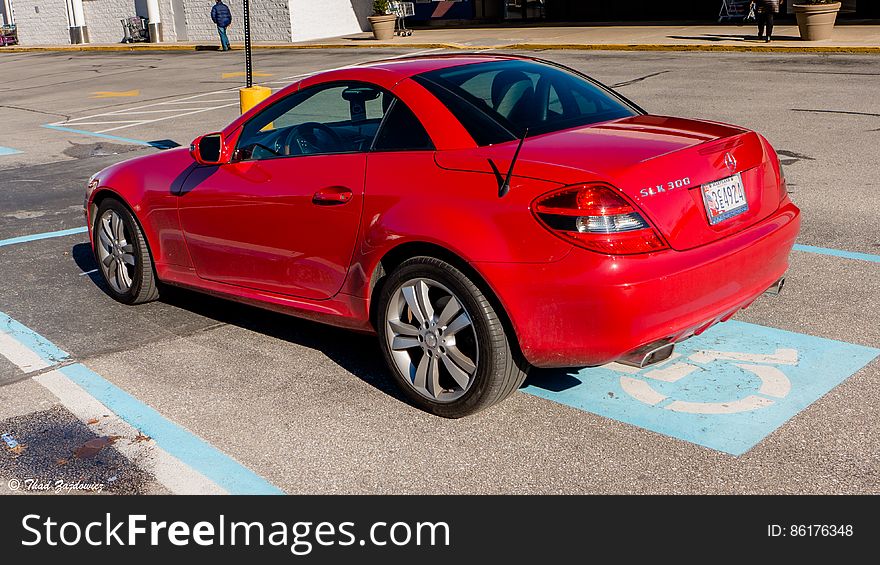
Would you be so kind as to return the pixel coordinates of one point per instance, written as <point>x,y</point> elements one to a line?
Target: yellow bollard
<point>251,96</point>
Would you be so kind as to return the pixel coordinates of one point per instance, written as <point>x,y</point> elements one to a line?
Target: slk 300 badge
<point>667,187</point>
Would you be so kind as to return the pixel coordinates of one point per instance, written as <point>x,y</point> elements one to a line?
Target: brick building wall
<point>102,19</point>
<point>45,21</point>
<point>41,22</point>
<point>270,20</point>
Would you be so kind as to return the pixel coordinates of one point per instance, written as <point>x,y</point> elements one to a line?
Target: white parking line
<point>174,475</point>
<point>176,108</point>
<point>178,115</point>
<point>181,461</point>
<point>104,123</point>
<point>21,356</point>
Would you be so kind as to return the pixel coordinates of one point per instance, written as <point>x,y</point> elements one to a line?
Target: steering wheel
<point>309,138</point>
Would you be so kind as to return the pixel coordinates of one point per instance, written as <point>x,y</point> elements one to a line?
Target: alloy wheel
<point>115,251</point>
<point>432,339</point>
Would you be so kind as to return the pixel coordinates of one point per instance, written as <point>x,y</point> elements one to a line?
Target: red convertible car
<point>481,214</point>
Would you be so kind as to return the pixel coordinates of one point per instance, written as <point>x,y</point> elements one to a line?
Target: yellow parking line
<point>112,94</point>
<point>241,74</point>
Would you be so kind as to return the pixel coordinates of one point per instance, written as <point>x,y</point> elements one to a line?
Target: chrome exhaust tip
<point>648,354</point>
<point>776,288</point>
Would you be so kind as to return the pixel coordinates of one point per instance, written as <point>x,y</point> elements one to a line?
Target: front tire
<point>123,255</point>
<point>443,340</point>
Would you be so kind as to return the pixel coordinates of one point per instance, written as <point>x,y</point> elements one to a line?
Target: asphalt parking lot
<point>194,394</point>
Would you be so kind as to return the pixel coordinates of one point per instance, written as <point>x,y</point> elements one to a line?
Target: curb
<point>853,50</point>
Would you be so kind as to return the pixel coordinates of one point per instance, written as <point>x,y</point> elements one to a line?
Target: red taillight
<point>597,217</point>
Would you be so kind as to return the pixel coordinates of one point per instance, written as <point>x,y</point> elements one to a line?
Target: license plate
<point>724,198</point>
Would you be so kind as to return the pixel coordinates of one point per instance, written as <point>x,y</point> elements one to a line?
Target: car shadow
<point>84,258</point>
<point>553,380</point>
<point>357,353</point>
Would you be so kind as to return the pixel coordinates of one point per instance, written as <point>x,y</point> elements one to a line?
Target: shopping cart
<point>402,10</point>
<point>135,29</point>
<point>733,10</point>
<point>8,35</point>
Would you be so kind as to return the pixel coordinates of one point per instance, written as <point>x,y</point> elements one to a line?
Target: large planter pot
<point>383,26</point>
<point>816,21</point>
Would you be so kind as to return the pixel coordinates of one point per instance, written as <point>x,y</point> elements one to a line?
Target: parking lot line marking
<point>8,151</point>
<point>201,98</point>
<point>40,353</point>
<point>838,253</point>
<point>180,443</point>
<point>110,122</point>
<point>38,236</point>
<point>225,471</point>
<point>235,74</point>
<point>179,115</point>
<point>779,357</point>
<point>20,355</point>
<point>176,476</point>
<point>195,102</point>
<point>101,135</point>
<point>673,373</point>
<point>747,381</point>
<point>746,404</point>
<point>640,390</point>
<point>139,112</point>
<point>115,94</point>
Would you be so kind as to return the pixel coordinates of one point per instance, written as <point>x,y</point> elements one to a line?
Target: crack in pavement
<point>793,156</point>
<point>640,79</point>
<point>23,109</point>
<point>84,359</point>
<point>73,81</point>
<point>845,112</point>
<point>25,376</point>
<point>830,73</point>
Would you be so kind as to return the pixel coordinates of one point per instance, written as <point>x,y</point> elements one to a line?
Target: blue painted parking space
<point>8,151</point>
<point>726,389</point>
<point>76,386</point>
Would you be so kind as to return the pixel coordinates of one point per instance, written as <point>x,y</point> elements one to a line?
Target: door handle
<point>332,196</point>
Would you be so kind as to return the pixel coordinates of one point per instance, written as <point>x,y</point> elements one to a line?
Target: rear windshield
<point>515,95</point>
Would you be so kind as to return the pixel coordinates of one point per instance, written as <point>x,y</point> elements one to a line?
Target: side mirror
<point>209,149</point>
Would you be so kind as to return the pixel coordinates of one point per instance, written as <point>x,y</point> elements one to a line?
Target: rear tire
<point>443,340</point>
<point>123,255</point>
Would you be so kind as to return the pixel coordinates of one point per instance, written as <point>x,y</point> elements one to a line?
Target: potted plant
<point>816,18</point>
<point>382,21</point>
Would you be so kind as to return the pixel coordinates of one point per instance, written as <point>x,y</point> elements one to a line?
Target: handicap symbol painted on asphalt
<point>726,389</point>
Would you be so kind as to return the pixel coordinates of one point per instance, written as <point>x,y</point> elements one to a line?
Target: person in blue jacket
<point>221,16</point>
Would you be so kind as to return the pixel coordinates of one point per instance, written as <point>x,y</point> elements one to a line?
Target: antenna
<point>505,188</point>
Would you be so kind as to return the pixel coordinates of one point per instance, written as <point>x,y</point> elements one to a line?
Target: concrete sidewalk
<point>848,38</point>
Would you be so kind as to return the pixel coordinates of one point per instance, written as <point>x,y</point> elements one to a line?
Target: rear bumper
<point>590,309</point>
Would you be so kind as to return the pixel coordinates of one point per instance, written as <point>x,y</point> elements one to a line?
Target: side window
<point>327,119</point>
<point>402,131</point>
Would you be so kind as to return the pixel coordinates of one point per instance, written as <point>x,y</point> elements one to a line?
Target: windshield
<point>497,101</point>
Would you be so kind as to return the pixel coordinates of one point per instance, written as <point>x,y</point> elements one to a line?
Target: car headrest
<point>504,81</point>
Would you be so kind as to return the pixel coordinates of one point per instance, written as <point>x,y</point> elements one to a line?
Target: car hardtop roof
<point>416,64</point>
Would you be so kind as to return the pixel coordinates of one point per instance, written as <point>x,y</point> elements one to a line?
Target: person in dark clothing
<point>765,10</point>
<point>221,16</point>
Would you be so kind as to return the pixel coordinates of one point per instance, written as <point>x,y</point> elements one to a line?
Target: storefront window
<point>525,9</point>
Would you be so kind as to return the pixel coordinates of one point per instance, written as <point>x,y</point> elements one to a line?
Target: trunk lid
<point>661,163</point>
